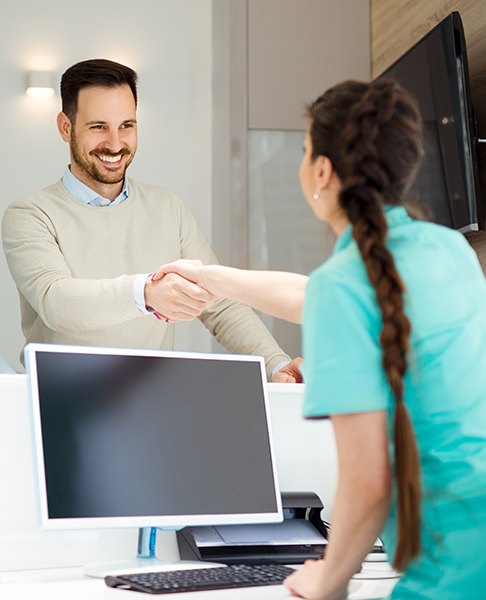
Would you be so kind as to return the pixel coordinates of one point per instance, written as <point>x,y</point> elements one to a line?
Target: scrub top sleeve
<point>342,352</point>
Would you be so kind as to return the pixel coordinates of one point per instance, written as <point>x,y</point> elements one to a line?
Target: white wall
<point>168,42</point>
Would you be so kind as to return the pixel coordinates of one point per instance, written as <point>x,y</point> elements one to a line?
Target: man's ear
<point>323,172</point>
<point>64,125</point>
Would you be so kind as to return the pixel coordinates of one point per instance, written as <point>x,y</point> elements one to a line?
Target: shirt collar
<point>86,195</point>
<point>395,215</point>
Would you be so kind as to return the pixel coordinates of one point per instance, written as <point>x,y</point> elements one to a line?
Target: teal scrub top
<point>445,387</point>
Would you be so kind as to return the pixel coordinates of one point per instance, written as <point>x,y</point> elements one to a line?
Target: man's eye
<point>96,127</point>
<point>128,125</point>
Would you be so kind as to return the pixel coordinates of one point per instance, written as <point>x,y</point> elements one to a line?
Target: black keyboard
<point>193,580</point>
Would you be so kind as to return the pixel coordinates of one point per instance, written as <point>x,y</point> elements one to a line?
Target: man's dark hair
<point>97,71</point>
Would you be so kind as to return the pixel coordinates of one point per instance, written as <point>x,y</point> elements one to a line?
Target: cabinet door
<point>299,48</point>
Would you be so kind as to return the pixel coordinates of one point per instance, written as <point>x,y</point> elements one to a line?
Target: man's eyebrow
<point>106,122</point>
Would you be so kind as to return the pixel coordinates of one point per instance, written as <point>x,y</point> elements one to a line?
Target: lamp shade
<point>40,83</point>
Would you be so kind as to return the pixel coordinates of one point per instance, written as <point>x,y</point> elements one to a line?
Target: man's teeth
<point>110,159</point>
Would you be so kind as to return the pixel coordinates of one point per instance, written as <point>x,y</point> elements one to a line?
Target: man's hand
<point>173,298</point>
<point>291,373</point>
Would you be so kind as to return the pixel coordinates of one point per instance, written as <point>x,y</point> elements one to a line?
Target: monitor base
<point>146,560</point>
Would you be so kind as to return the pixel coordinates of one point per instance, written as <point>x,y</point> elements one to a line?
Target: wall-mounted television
<point>435,71</point>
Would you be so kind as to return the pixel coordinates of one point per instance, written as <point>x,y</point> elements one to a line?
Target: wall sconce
<point>40,84</point>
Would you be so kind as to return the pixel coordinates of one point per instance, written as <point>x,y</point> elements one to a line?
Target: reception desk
<point>49,564</point>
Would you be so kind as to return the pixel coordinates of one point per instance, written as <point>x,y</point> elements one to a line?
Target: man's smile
<point>108,158</point>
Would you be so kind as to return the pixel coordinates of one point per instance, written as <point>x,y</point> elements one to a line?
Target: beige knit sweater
<point>74,267</point>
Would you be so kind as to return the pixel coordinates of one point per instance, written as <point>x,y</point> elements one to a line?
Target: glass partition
<point>283,232</point>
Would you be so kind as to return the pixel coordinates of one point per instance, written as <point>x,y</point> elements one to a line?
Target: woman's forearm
<point>362,498</point>
<point>360,507</point>
<point>277,293</point>
<point>357,521</point>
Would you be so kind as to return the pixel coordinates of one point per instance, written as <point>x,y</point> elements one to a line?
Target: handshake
<point>181,290</point>
<point>175,291</point>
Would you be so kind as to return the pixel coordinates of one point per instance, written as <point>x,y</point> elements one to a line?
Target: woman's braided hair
<point>372,134</point>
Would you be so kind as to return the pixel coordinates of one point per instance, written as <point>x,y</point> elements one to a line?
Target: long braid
<point>369,180</point>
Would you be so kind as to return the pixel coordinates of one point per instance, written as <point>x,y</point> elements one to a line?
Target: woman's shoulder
<point>342,281</point>
<point>341,267</point>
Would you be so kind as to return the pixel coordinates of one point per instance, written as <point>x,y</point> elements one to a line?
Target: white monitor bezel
<point>172,522</point>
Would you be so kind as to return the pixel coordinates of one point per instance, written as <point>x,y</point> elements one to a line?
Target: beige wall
<point>397,24</point>
<point>289,45</point>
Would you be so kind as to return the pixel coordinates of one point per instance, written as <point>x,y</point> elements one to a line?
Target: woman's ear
<point>64,126</point>
<point>323,172</point>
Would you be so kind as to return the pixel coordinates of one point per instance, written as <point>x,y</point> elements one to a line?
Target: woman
<point>394,346</point>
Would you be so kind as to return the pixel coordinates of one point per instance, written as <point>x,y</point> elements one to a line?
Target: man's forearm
<point>85,304</point>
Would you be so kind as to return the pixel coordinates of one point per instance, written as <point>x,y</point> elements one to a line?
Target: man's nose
<point>113,140</point>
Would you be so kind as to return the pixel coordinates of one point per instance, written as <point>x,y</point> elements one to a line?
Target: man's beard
<point>92,169</point>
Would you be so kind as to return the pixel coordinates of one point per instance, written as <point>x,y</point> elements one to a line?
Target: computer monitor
<point>135,438</point>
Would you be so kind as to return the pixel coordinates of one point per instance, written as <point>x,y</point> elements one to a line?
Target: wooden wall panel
<point>397,24</point>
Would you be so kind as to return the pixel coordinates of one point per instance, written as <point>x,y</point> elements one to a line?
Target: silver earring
<point>316,195</point>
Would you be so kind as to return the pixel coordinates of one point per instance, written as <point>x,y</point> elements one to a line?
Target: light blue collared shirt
<point>84,194</point>
<point>81,192</point>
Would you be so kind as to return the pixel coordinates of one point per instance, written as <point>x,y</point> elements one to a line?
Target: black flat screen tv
<point>435,71</point>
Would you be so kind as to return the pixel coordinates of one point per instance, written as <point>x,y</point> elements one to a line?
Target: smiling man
<point>101,129</point>
<point>82,250</point>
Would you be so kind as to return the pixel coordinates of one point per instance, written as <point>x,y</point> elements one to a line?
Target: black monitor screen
<point>176,438</point>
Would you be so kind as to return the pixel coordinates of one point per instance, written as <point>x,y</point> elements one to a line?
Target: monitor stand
<point>144,561</point>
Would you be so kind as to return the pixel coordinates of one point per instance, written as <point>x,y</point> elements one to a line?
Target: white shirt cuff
<point>280,365</point>
<point>139,293</point>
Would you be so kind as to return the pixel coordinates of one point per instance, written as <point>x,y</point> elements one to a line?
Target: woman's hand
<point>311,582</point>
<point>189,269</point>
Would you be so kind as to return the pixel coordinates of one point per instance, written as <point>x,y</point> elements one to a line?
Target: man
<point>81,250</point>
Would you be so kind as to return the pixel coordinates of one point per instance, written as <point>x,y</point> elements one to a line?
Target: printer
<point>300,536</point>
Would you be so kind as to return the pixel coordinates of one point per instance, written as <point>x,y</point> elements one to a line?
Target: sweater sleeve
<point>235,326</point>
<point>43,278</point>
<point>241,331</point>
